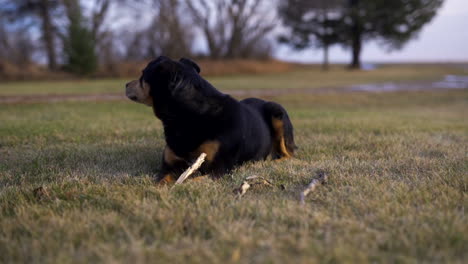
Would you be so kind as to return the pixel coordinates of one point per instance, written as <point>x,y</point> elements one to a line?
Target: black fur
<point>193,112</point>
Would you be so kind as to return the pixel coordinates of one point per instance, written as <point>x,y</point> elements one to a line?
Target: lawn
<point>397,190</point>
<point>304,78</point>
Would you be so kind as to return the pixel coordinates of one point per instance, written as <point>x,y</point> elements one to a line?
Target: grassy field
<point>397,191</point>
<point>307,77</point>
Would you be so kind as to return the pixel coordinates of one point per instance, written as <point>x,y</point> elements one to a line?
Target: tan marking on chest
<point>170,157</point>
<point>211,148</point>
<point>167,179</point>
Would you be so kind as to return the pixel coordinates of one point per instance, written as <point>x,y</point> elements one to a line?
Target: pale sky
<point>444,39</point>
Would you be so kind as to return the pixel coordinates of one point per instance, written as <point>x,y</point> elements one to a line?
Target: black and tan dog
<point>198,118</point>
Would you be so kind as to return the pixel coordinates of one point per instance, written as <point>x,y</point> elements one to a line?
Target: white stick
<point>191,169</point>
<point>243,189</point>
<point>312,185</point>
<point>250,182</point>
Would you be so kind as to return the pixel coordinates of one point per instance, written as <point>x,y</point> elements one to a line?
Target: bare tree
<point>103,37</point>
<point>135,45</point>
<point>167,34</point>
<point>98,16</point>
<point>22,10</point>
<point>16,47</point>
<point>232,28</point>
<point>47,29</point>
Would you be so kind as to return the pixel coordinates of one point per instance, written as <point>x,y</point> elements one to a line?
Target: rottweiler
<point>198,118</point>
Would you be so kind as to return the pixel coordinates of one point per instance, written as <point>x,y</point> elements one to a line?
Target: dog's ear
<point>190,63</point>
<point>159,72</point>
<point>157,64</point>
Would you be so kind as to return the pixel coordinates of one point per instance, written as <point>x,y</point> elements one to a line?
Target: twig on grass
<point>322,178</point>
<point>191,169</point>
<point>259,180</point>
<point>249,182</point>
<point>243,188</point>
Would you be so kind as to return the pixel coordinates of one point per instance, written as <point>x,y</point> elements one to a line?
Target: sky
<point>444,39</point>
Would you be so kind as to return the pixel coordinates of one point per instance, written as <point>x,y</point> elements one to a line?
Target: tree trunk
<point>356,35</point>
<point>48,35</point>
<point>326,43</point>
<point>356,47</point>
<point>213,48</point>
<point>325,58</point>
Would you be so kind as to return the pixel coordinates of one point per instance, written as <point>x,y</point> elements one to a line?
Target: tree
<point>98,16</point>
<point>15,46</point>
<point>99,20</point>
<point>168,34</point>
<point>311,23</point>
<point>351,22</point>
<point>394,22</point>
<point>104,38</point>
<point>232,28</point>
<point>21,10</point>
<point>79,44</point>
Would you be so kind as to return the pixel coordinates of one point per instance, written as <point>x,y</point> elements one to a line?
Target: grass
<point>308,77</point>
<point>397,164</point>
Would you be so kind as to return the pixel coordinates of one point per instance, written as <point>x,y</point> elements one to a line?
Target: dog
<point>197,118</point>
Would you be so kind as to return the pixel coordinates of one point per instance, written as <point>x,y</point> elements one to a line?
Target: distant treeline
<point>84,36</point>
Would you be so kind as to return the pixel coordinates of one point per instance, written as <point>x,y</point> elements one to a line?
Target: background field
<point>300,77</point>
<point>397,164</point>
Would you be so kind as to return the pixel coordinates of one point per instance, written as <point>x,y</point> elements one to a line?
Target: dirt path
<point>52,98</point>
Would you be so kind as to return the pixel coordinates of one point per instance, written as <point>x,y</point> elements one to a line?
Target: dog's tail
<point>282,130</point>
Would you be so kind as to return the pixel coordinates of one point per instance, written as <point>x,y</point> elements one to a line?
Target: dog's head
<point>174,88</point>
<point>161,78</point>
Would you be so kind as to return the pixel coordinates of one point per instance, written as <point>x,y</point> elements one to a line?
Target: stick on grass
<point>191,169</point>
<point>313,184</point>
<point>249,182</point>
<point>243,188</point>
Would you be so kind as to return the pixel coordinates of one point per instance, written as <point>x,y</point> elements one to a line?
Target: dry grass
<point>13,72</point>
<point>239,66</point>
<point>33,72</point>
<point>209,68</point>
<point>397,190</point>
